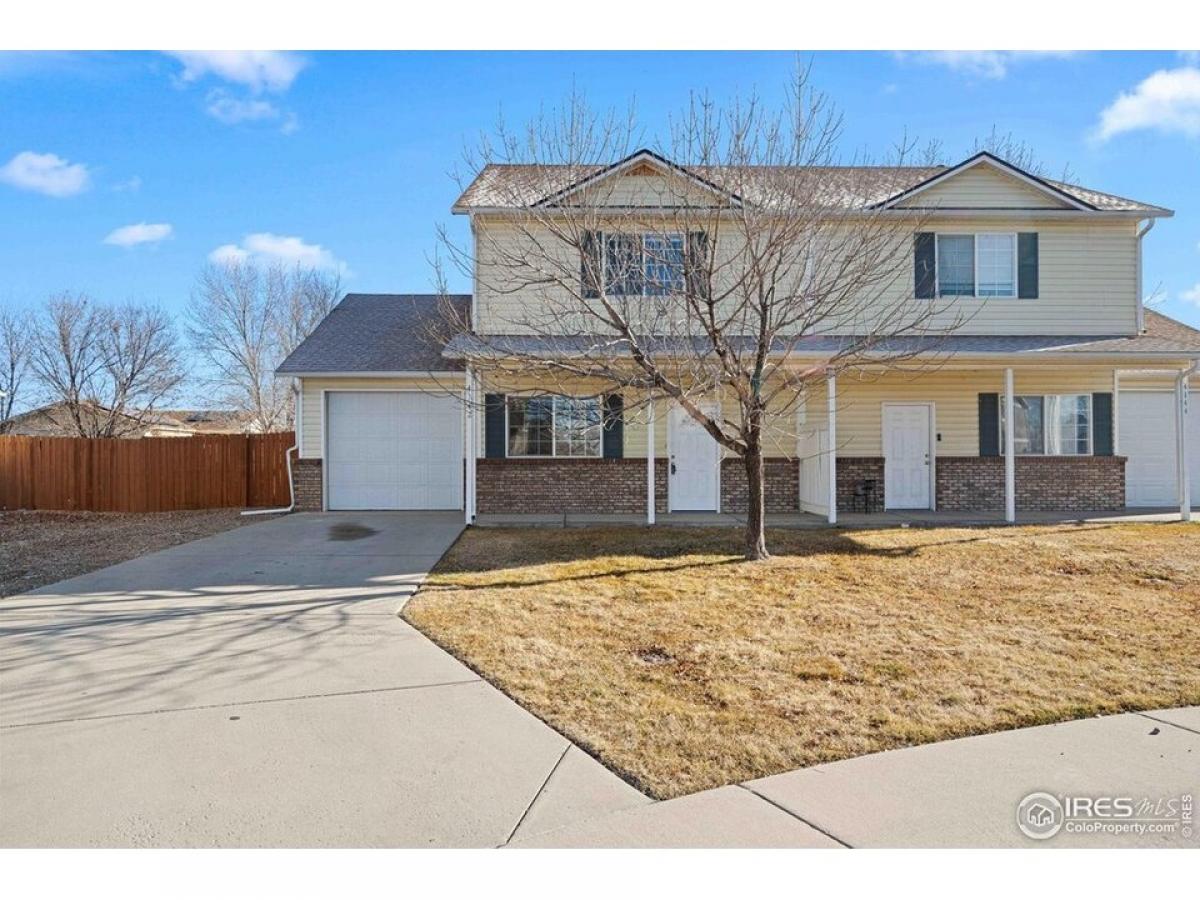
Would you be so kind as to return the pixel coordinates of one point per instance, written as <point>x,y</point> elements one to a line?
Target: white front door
<point>693,467</point>
<point>906,451</point>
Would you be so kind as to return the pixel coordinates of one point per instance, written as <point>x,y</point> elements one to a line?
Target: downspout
<point>1141,308</point>
<point>1181,425</point>
<point>287,458</point>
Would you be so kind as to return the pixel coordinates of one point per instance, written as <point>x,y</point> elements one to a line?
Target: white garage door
<point>393,450</point>
<point>1148,440</point>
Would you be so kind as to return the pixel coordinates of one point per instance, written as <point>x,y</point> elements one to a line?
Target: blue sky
<point>343,159</point>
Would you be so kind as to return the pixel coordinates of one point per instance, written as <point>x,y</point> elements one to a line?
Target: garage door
<point>393,450</point>
<point>1148,440</point>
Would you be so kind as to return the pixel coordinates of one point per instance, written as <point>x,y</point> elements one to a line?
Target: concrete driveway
<point>257,689</point>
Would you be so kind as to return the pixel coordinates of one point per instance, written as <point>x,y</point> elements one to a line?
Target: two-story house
<point>1046,278</point>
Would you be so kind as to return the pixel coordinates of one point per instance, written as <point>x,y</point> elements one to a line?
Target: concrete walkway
<point>892,519</point>
<point>962,793</point>
<point>256,689</point>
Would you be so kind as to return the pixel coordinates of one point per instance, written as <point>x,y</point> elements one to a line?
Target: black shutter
<point>924,266</point>
<point>494,442</point>
<point>989,424</point>
<point>614,426</point>
<point>1102,424</point>
<point>1027,265</point>
<point>696,264</point>
<point>589,263</point>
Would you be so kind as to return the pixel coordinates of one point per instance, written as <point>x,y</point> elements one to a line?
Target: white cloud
<point>141,233</point>
<point>265,248</point>
<point>45,173</point>
<point>1191,296</point>
<point>129,186</point>
<point>983,63</point>
<point>232,110</point>
<point>259,70</point>
<point>1167,101</point>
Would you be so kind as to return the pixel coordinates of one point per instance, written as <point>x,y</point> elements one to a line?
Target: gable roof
<point>631,163</point>
<point>378,333</point>
<point>514,186</point>
<point>983,158</point>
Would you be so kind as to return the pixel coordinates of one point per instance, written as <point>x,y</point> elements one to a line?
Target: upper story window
<point>643,264</point>
<point>554,426</point>
<point>976,265</point>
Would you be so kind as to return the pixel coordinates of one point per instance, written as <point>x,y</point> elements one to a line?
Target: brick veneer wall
<point>1044,483</point>
<point>850,471</point>
<point>567,485</point>
<point>781,485</point>
<point>306,476</point>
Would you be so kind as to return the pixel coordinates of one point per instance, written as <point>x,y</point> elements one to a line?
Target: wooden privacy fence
<point>144,474</point>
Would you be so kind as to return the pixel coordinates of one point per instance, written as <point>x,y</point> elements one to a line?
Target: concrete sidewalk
<point>256,689</point>
<point>962,793</point>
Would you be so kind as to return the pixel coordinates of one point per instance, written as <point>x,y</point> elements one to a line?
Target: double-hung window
<point>977,265</point>
<point>643,264</point>
<point>1050,425</point>
<point>554,426</point>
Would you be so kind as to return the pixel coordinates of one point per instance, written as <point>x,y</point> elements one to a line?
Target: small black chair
<point>864,494</point>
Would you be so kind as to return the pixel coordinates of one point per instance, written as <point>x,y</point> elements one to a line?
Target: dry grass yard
<point>683,668</point>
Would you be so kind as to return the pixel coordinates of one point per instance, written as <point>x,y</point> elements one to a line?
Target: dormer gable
<point>985,181</point>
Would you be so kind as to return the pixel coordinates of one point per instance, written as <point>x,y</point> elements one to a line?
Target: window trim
<point>554,454</point>
<point>974,236</point>
<point>1091,431</point>
<point>642,235</point>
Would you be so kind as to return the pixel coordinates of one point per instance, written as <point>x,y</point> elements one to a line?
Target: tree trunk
<point>756,538</point>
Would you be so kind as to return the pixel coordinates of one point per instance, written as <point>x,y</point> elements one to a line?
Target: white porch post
<point>650,462</point>
<point>831,390</point>
<point>1010,456</point>
<point>1116,413</point>
<point>1181,457</point>
<point>472,438</point>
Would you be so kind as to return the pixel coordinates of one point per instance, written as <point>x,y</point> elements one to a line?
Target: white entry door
<point>906,456</point>
<point>693,481</point>
<point>393,450</point>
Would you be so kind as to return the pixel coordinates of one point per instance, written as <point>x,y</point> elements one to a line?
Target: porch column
<point>472,438</point>
<point>650,462</point>
<point>1181,458</point>
<point>1010,455</point>
<point>1116,413</point>
<point>831,390</point>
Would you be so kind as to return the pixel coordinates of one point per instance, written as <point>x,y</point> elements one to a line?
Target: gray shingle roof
<point>1163,336</point>
<point>381,333</point>
<point>500,186</point>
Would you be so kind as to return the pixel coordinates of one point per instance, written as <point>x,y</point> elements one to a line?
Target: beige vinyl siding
<point>955,395</point>
<point>983,187</point>
<point>860,398</point>
<point>1087,283</point>
<point>312,441</point>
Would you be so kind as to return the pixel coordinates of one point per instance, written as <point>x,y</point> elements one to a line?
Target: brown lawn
<point>683,668</point>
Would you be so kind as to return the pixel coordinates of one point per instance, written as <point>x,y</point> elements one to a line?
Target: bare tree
<point>16,331</point>
<point>244,319</point>
<point>108,368</point>
<point>760,267</point>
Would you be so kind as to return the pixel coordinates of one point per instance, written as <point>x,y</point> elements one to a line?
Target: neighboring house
<point>1098,382</point>
<point>54,420</point>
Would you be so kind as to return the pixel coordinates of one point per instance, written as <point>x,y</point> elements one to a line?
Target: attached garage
<point>1147,439</point>
<point>393,450</point>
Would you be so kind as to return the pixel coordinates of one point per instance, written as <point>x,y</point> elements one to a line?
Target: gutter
<point>1141,306</point>
<point>287,456</point>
